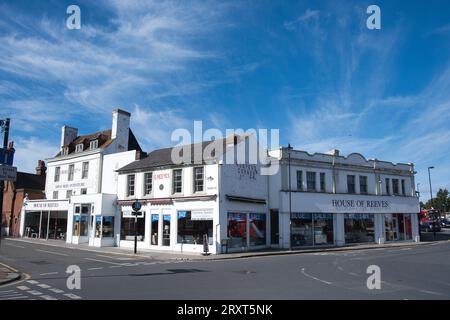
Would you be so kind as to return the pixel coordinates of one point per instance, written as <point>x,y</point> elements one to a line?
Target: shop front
<point>174,226</point>
<point>246,230</point>
<point>332,219</point>
<point>42,219</point>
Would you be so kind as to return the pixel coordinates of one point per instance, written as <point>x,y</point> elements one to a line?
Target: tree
<point>440,202</point>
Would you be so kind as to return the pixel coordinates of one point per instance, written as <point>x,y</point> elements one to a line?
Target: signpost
<point>136,206</point>
<point>7,172</point>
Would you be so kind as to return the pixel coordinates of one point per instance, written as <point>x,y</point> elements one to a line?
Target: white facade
<point>368,193</point>
<point>81,186</point>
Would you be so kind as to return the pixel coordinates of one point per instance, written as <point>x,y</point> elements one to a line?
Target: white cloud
<point>31,149</point>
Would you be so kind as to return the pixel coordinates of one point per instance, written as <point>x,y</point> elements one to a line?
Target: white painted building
<point>184,202</point>
<point>335,200</point>
<point>81,186</point>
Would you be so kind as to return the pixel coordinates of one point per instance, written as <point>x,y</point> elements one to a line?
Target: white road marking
<point>52,252</point>
<point>98,268</point>
<point>35,292</point>
<point>48,273</point>
<point>33,281</point>
<point>314,278</point>
<point>340,268</point>
<point>72,296</point>
<point>23,288</point>
<point>116,266</point>
<point>14,298</point>
<point>14,245</point>
<point>431,292</point>
<point>6,291</point>
<point>56,290</point>
<point>46,297</point>
<point>108,262</point>
<point>44,286</point>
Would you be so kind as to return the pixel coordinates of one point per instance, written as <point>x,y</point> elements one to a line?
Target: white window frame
<point>194,178</point>
<point>79,147</point>
<point>146,174</point>
<point>85,170</point>
<point>128,193</point>
<point>173,181</point>
<point>93,144</point>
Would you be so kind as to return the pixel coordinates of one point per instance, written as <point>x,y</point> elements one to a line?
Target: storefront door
<point>166,230</point>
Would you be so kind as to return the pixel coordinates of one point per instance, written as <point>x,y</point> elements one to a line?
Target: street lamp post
<point>429,179</point>
<point>289,148</point>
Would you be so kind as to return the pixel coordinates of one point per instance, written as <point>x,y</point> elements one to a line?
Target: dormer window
<point>79,147</point>
<point>65,151</point>
<point>93,144</point>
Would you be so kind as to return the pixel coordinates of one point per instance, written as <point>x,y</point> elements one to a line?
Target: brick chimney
<point>41,169</point>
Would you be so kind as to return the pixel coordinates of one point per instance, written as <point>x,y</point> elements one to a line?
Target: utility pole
<point>289,148</point>
<point>2,182</point>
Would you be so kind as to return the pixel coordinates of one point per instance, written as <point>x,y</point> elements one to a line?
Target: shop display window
<point>359,227</point>
<point>237,230</point>
<point>127,228</point>
<point>108,227</point>
<point>301,229</point>
<point>193,231</point>
<point>257,222</point>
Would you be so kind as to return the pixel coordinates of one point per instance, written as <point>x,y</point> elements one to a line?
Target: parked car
<point>427,226</point>
<point>445,223</point>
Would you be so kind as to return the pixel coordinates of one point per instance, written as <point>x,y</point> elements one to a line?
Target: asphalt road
<point>420,272</point>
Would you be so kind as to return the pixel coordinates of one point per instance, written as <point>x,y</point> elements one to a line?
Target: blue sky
<point>309,68</point>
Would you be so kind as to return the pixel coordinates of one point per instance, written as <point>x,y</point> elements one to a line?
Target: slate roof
<point>29,181</point>
<point>163,158</point>
<point>104,140</point>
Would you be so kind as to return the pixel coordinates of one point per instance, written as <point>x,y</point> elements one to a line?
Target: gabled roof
<point>163,157</point>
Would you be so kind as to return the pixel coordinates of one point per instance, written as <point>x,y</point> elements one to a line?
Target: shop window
<point>257,222</point>
<point>301,229</point>
<point>155,229</point>
<point>98,226</point>
<point>108,227</point>
<point>192,231</point>
<point>166,230</point>
<point>323,228</point>
<point>80,226</point>
<point>237,230</point>
<point>351,184</point>
<point>127,227</point>
<point>359,227</point>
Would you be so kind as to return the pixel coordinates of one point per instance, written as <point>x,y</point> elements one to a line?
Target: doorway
<point>274,228</point>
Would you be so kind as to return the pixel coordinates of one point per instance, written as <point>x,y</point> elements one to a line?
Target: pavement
<point>408,271</point>
<point>8,274</point>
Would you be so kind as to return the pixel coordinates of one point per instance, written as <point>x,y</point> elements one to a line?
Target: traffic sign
<point>6,156</point>
<point>8,173</point>
<point>136,206</point>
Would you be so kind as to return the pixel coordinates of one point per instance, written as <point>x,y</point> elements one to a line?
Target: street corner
<point>8,274</point>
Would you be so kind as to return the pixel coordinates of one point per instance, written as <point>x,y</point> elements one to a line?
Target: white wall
<point>111,163</point>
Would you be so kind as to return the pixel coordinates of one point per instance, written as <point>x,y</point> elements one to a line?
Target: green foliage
<point>440,202</point>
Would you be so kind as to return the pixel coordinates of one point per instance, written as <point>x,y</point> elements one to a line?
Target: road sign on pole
<point>8,173</point>
<point>136,206</point>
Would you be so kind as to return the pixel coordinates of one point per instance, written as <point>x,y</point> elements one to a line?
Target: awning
<point>245,199</point>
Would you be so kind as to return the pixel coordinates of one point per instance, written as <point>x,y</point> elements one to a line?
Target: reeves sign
<point>361,204</point>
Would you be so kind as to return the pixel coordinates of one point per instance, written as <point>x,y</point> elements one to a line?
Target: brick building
<point>27,185</point>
